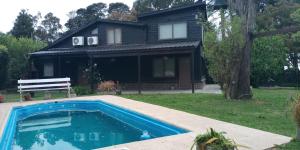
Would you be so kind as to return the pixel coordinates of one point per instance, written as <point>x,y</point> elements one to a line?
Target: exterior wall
<point>194,31</point>
<point>130,35</point>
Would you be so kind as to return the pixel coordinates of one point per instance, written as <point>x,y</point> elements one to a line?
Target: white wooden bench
<point>44,85</point>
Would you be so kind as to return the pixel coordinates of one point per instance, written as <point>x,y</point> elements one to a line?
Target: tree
<point>268,58</point>
<point>120,11</point>
<point>222,53</point>
<point>86,15</point>
<point>142,6</point>
<point>3,65</point>
<point>238,86</point>
<point>118,7</point>
<point>18,50</point>
<point>50,28</point>
<point>23,26</point>
<point>182,2</point>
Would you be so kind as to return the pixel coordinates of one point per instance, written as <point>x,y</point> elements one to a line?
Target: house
<point>162,50</point>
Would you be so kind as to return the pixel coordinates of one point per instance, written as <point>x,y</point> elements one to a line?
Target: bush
<point>18,50</point>
<point>268,58</point>
<point>82,90</point>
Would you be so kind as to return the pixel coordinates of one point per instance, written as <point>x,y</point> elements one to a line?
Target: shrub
<point>107,86</point>
<point>18,50</point>
<point>82,90</point>
<point>213,140</point>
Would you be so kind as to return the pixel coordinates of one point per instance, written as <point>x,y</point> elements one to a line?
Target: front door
<point>184,73</point>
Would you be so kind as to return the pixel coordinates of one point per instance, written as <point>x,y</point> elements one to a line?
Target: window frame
<point>114,36</point>
<point>172,24</point>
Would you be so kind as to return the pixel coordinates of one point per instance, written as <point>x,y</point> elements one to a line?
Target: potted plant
<point>297,117</point>
<point>213,140</point>
<point>1,98</point>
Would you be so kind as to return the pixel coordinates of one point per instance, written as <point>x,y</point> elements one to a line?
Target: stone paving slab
<point>252,138</point>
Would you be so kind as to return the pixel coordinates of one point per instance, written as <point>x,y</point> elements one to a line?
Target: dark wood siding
<point>194,31</point>
<point>130,35</point>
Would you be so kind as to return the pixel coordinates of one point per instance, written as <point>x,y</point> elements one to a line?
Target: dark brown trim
<point>139,73</point>
<point>193,71</point>
<point>59,66</point>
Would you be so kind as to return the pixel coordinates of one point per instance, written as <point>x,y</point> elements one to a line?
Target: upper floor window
<point>173,31</point>
<point>114,36</point>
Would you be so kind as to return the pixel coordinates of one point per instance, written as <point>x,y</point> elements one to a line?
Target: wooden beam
<point>91,64</point>
<point>193,71</point>
<point>59,66</point>
<point>139,74</point>
<point>284,30</point>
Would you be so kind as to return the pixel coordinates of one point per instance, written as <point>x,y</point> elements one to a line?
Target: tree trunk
<point>239,86</point>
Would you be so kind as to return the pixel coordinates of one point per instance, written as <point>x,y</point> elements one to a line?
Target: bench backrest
<point>43,84</point>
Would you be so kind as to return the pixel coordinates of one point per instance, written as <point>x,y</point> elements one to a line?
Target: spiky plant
<point>213,140</point>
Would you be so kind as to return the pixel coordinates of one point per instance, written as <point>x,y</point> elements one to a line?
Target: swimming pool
<point>79,125</point>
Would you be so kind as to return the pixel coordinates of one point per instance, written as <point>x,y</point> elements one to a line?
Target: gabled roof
<point>173,9</point>
<point>71,33</point>
<point>117,49</point>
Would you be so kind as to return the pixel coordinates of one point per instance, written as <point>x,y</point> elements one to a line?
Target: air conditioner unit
<point>93,40</point>
<point>78,41</point>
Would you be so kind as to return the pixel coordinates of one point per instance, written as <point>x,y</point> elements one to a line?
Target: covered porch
<point>172,66</point>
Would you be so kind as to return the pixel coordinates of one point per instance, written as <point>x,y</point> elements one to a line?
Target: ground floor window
<point>163,67</point>
<point>48,70</point>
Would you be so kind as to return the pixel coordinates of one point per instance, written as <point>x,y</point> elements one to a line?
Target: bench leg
<point>69,92</point>
<point>21,97</point>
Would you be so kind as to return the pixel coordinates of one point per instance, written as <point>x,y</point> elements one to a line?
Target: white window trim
<point>172,38</point>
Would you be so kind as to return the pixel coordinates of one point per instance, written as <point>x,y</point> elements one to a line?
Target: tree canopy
<point>23,26</point>
<point>120,11</point>
<point>142,6</point>
<point>49,29</point>
<point>83,16</point>
<point>18,50</point>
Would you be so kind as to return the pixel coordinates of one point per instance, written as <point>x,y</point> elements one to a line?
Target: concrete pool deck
<point>249,137</point>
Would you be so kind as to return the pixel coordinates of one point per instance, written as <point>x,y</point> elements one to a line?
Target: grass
<point>15,97</point>
<point>269,110</point>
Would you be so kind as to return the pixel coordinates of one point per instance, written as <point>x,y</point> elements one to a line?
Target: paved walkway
<point>209,88</point>
<point>252,138</point>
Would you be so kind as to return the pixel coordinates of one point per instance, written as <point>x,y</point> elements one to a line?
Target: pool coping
<point>249,137</point>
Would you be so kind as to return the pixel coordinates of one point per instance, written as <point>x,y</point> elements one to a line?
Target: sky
<point>9,9</point>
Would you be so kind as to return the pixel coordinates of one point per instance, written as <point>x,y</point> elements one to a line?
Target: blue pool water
<point>81,125</point>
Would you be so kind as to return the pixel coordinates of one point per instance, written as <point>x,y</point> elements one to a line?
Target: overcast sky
<point>9,9</point>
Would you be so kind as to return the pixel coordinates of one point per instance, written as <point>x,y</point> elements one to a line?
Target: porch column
<point>59,66</point>
<point>139,74</point>
<point>91,66</point>
<point>30,68</point>
<point>193,71</point>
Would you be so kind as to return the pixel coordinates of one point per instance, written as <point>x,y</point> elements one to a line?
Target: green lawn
<point>14,97</point>
<point>268,111</point>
